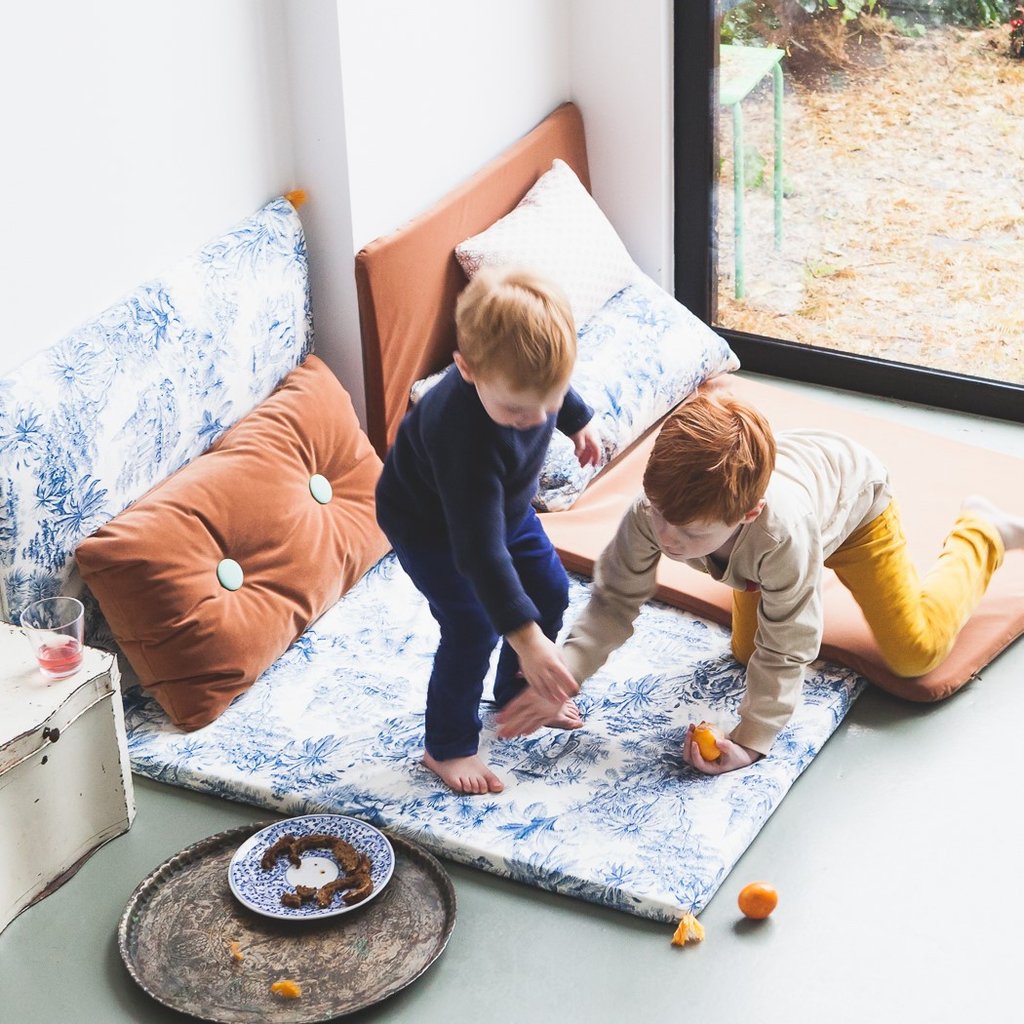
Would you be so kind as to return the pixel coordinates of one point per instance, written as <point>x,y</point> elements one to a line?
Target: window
<point>843,230</point>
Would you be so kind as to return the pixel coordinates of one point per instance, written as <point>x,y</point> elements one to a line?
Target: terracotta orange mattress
<point>930,476</point>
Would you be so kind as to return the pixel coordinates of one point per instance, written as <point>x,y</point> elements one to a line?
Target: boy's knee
<point>552,598</point>
<point>913,659</point>
<point>561,592</point>
<point>470,632</point>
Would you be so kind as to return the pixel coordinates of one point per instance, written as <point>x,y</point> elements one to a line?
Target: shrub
<point>816,29</point>
<point>1017,31</point>
<point>977,12</point>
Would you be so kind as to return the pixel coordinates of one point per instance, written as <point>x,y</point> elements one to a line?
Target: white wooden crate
<point>65,780</point>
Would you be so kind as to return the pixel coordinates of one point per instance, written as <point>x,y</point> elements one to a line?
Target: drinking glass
<point>54,627</point>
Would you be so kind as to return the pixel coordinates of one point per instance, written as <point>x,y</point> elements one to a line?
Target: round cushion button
<point>229,574</point>
<point>320,488</point>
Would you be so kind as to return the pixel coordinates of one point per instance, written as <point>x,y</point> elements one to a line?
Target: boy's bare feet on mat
<point>1010,528</point>
<point>465,774</point>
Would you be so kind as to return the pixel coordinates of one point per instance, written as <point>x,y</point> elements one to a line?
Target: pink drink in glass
<point>59,659</point>
<point>55,629</point>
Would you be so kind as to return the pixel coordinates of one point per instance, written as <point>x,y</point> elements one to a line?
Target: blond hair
<point>514,324</point>
<point>711,462</point>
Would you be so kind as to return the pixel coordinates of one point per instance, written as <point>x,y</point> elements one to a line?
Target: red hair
<point>711,462</point>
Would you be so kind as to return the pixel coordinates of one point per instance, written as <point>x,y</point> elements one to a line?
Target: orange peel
<point>689,929</point>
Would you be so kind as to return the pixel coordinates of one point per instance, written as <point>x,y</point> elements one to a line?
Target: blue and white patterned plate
<point>260,889</point>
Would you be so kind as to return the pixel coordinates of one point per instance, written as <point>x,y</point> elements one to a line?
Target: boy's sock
<point>1009,527</point>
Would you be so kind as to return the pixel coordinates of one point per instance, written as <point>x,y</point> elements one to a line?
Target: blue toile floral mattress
<point>608,813</point>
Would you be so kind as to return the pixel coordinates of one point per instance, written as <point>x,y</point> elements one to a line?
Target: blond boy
<point>454,500</point>
<point>766,516</point>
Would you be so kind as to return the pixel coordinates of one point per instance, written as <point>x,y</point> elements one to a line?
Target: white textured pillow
<point>559,231</point>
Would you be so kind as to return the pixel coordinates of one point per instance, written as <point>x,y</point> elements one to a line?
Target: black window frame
<point>695,41</point>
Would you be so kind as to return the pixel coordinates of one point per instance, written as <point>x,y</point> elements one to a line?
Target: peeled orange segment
<point>688,930</point>
<point>757,900</point>
<point>704,735</point>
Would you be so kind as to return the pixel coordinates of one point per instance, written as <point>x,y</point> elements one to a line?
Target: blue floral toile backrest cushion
<point>93,422</point>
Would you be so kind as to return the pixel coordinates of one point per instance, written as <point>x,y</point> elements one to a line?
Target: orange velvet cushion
<point>286,497</point>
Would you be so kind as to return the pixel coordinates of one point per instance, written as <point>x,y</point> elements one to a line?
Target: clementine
<point>758,900</point>
<point>704,736</point>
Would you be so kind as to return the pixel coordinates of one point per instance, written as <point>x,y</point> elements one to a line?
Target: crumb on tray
<point>287,989</point>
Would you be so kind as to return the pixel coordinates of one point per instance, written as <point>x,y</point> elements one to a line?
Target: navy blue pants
<point>468,637</point>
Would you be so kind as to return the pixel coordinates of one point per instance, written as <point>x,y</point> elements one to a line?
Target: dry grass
<point>904,215</point>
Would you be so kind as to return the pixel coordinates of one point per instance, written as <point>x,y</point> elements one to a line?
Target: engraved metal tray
<point>177,930</point>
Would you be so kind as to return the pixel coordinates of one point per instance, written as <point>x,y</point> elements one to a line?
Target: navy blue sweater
<point>455,476</point>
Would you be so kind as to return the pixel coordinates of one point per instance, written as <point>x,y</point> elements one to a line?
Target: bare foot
<point>567,717</point>
<point>1010,528</point>
<point>529,711</point>
<point>465,774</point>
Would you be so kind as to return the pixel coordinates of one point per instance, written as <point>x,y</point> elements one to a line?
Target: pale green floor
<point>898,857</point>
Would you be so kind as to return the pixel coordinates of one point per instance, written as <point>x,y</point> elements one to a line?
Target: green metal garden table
<point>740,70</point>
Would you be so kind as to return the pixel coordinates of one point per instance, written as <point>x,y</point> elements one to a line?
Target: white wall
<point>621,76</point>
<point>132,133</point>
<point>435,90</point>
<point>320,149</point>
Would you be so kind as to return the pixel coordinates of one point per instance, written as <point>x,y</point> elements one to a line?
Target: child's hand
<point>733,755</point>
<point>588,445</point>
<point>526,713</point>
<point>541,665</point>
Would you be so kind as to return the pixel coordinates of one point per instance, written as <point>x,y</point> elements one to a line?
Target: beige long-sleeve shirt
<point>823,488</point>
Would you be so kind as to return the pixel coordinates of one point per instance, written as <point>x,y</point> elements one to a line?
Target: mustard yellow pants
<point>914,622</point>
